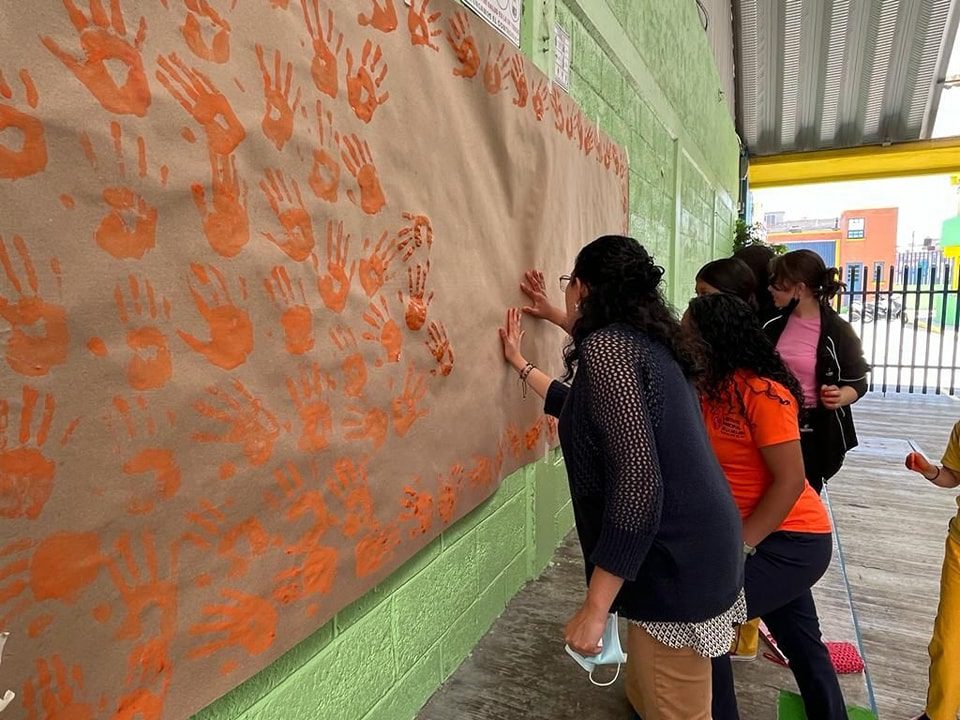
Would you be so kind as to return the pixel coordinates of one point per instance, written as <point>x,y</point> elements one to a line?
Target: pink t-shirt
<point>798,348</point>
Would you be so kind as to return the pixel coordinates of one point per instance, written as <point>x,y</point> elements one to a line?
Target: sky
<point>924,201</point>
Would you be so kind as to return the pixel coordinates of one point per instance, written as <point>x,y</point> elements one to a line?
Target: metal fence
<point>909,324</point>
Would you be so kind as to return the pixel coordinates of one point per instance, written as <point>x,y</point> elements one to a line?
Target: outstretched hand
<point>535,288</point>
<point>511,335</point>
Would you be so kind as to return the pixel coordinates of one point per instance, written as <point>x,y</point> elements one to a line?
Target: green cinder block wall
<point>643,68</point>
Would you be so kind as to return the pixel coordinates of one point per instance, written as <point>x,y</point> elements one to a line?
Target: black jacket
<point>840,362</point>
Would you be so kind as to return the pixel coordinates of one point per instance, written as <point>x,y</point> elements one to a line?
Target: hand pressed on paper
<point>382,17</point>
<point>418,301</point>
<point>386,332</point>
<point>307,394</point>
<point>363,85</point>
<point>359,162</point>
<point>237,541</point>
<point>201,20</point>
<point>353,367</point>
<point>374,266</point>
<point>325,174</point>
<point>245,420</point>
<point>142,312</point>
<point>421,23</point>
<point>439,346</point>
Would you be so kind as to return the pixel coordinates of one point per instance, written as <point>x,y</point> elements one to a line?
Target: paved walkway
<point>891,527</point>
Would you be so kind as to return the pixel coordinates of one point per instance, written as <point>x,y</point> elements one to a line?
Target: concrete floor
<point>891,527</point>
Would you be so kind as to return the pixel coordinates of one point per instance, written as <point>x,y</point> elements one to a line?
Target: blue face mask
<point>610,652</point>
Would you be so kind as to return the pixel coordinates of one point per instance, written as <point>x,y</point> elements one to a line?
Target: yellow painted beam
<point>924,157</point>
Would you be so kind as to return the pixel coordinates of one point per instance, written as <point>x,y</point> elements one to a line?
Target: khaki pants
<point>664,683</point>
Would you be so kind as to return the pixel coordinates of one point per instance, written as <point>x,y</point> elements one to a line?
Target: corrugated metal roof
<point>814,74</point>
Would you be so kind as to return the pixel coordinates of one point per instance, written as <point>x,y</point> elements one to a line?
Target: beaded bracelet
<point>524,374</point>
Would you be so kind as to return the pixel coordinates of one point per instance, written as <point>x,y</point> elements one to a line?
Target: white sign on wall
<point>504,15</point>
<point>561,58</point>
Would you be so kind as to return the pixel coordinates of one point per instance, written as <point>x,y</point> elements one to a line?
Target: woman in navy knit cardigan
<point>657,524</point>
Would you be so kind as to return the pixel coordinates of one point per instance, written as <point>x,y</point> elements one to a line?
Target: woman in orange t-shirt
<point>750,405</point>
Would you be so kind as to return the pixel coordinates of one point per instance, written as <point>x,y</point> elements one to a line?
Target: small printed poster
<point>504,15</point>
<point>561,64</point>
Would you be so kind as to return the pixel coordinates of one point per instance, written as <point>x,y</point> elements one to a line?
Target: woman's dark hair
<point>731,276</point>
<point>732,339</point>
<point>758,259</point>
<point>805,266</point>
<point>624,286</point>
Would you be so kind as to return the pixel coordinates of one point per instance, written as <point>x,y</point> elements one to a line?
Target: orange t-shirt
<point>737,440</point>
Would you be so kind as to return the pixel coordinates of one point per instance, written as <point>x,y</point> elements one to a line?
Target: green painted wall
<point>645,70</point>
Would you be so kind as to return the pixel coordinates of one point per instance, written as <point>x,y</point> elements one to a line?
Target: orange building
<point>859,242</point>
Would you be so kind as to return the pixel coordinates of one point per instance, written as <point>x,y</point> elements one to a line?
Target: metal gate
<point>909,324</point>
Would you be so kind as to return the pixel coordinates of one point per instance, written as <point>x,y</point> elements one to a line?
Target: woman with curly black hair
<point>657,524</point>
<point>751,404</point>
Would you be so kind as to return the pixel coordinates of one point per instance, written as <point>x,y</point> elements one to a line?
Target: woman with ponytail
<point>823,352</point>
<point>658,527</point>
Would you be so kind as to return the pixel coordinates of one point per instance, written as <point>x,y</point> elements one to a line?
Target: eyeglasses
<point>565,282</point>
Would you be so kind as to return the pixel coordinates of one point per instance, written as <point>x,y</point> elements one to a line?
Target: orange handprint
<point>552,435</point>
<point>370,424</point>
<point>540,94</point>
<point>373,267</point>
<point>374,549</point>
<point>482,472</point>
<point>334,286</point>
<point>514,66</point>
<point>297,241</point>
<point>575,125</point>
<point>58,693</point>
<point>419,507</point>
<point>60,568</point>
<point>231,332</point>
<point>417,235</point>
<point>404,405</point>
<point>416,304</point>
<point>383,17</point>
<point>315,565</point>
<point>105,44</point>
<point>147,591</point>
<point>243,621</point>
<point>559,117</point>
<point>349,486</point>
<point>363,86</point>
<point>38,337</point>
<point>514,441</point>
<point>385,331</point>
<point>325,51</point>
<point>31,157</point>
<point>26,474</point>
<point>532,436</point>
<point>359,163</point>
<point>197,94</point>
<point>248,422</point>
<point>296,317</point>
<point>589,140</point>
<point>294,501</point>
<point>212,530</point>
<point>353,367</point>
<point>128,230</point>
<point>140,310</point>
<point>439,346</point>
<point>201,20</point>
<point>420,24</point>
<point>449,493</point>
<point>464,46</point>
<point>280,113</point>
<point>149,457</point>
<point>226,224</point>
<point>316,421</point>
<point>325,174</point>
<point>492,74</point>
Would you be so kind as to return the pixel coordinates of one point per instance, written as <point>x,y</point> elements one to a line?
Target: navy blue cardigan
<point>650,500</point>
